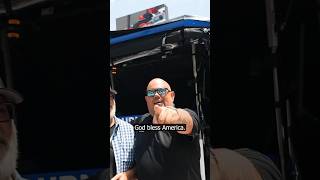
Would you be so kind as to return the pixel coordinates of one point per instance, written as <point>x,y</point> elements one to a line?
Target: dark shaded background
<point>59,65</point>
<point>243,103</point>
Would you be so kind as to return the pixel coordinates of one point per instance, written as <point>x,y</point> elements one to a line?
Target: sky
<point>176,8</point>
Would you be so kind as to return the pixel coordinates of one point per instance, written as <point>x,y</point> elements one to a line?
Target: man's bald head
<point>156,82</point>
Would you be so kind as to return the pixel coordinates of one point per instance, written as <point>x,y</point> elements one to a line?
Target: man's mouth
<point>159,104</point>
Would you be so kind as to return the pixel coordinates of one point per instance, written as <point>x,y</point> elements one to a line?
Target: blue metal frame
<point>159,29</point>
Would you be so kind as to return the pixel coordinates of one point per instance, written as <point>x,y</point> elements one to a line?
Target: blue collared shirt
<point>122,140</point>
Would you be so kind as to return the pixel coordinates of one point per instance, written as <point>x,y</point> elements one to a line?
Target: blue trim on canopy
<point>159,29</point>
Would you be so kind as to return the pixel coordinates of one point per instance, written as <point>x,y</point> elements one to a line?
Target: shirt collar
<point>116,124</point>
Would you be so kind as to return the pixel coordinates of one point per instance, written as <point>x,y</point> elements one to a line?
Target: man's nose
<point>157,95</point>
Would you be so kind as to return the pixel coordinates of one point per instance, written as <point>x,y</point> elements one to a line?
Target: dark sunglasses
<point>161,91</point>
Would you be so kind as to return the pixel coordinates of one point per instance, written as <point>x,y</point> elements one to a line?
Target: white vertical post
<point>199,111</point>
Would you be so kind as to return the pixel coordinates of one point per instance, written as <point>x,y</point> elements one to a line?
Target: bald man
<point>164,154</point>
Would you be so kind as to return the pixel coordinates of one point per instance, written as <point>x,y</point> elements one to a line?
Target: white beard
<point>8,163</point>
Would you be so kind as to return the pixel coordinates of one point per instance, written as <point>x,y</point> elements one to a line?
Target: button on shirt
<point>122,140</point>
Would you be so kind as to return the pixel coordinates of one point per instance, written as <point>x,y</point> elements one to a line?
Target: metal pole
<point>111,79</point>
<point>301,71</point>
<point>195,75</point>
<point>273,44</point>
<point>6,58</point>
<point>5,47</point>
<point>290,147</point>
<point>280,129</point>
<point>199,111</point>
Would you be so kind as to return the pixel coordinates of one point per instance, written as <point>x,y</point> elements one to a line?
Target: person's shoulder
<point>190,111</point>
<point>142,119</point>
<point>233,164</point>
<point>122,122</point>
<point>193,114</point>
<point>17,176</point>
<point>265,165</point>
<point>124,125</point>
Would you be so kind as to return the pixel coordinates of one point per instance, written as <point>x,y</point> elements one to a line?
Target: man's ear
<point>173,95</point>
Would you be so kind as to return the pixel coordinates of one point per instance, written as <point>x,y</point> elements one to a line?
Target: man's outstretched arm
<point>172,115</point>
